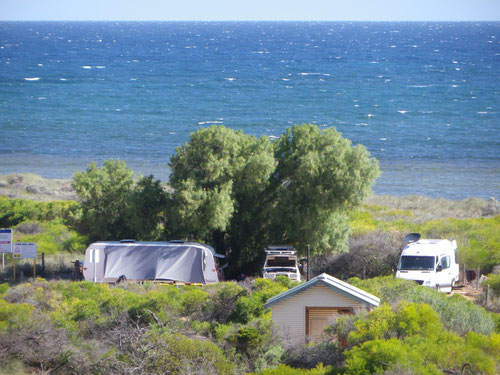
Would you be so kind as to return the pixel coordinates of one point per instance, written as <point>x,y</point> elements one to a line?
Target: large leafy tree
<point>219,179</point>
<point>115,206</point>
<point>320,176</point>
<point>241,192</point>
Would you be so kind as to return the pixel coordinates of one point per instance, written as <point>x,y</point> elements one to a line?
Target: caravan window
<point>416,263</point>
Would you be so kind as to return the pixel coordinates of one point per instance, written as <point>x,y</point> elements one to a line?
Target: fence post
<point>43,264</point>
<point>308,262</point>
<point>478,274</point>
<point>487,295</point>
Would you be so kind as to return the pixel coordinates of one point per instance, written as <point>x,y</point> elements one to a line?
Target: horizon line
<point>235,20</point>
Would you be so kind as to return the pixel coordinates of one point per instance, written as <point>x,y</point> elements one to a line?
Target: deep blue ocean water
<point>422,97</point>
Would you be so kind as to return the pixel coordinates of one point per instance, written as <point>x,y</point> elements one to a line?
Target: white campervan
<point>431,263</point>
<point>281,261</point>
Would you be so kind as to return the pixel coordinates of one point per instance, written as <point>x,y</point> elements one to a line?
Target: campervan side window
<point>445,262</point>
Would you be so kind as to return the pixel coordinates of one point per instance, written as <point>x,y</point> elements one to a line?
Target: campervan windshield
<point>416,263</point>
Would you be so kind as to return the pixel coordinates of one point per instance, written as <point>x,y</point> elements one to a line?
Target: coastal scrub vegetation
<point>240,193</point>
<point>64,327</point>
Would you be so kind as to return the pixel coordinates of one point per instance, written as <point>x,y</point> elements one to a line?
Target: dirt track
<point>468,291</point>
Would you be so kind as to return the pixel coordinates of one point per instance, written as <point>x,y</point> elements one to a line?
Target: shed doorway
<point>318,318</point>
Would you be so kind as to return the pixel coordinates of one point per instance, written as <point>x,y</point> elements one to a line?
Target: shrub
<point>310,356</point>
<point>4,289</point>
<point>53,237</point>
<point>408,319</point>
<point>255,345</point>
<point>377,356</point>
<point>177,354</point>
<point>37,342</point>
<point>372,254</point>
<point>494,282</point>
<point>411,338</point>
<point>456,313</point>
<point>14,315</point>
<point>222,300</point>
<point>16,211</point>
<point>286,370</point>
<point>194,300</point>
<point>250,307</point>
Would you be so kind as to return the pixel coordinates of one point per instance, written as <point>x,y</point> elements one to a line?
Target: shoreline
<point>450,180</point>
<point>35,187</point>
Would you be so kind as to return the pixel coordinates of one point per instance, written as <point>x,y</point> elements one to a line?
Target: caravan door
<point>93,264</point>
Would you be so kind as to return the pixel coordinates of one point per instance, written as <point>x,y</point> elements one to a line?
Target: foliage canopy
<point>241,193</point>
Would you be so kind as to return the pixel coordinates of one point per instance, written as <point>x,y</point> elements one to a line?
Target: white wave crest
<point>210,122</point>
<point>32,79</point>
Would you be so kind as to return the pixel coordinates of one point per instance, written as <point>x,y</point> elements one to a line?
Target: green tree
<point>320,176</point>
<point>147,209</point>
<point>220,179</point>
<point>241,193</point>
<point>104,193</point>
<point>115,206</point>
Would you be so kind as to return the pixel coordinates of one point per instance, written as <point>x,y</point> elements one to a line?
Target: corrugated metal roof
<point>334,284</point>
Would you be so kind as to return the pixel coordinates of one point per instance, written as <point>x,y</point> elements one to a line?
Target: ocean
<point>422,97</point>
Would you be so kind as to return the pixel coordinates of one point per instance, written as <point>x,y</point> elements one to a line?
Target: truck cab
<point>281,261</point>
<point>431,263</point>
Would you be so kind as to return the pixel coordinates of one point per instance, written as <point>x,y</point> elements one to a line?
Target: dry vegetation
<point>33,186</point>
<point>419,209</point>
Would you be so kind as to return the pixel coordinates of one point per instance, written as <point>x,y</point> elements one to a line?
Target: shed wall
<point>290,314</point>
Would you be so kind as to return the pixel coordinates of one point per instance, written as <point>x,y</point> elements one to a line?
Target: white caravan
<point>281,261</point>
<point>431,263</point>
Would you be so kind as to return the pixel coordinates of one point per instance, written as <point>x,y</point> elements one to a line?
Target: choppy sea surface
<point>422,97</point>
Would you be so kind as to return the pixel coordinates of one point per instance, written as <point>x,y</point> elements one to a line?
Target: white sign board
<point>24,250</point>
<point>5,240</point>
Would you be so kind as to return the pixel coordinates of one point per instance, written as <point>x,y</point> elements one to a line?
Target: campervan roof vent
<point>177,241</point>
<point>127,241</point>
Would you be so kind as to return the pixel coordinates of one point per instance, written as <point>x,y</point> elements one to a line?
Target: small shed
<point>302,313</point>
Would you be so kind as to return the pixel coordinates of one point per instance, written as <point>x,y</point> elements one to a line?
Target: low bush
<point>372,254</point>
<point>411,338</point>
<point>18,210</point>
<point>456,313</point>
<point>51,237</point>
<point>177,354</point>
<point>255,346</point>
<point>287,370</point>
<point>222,300</point>
<point>494,282</point>
<point>310,356</point>
<point>250,307</point>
